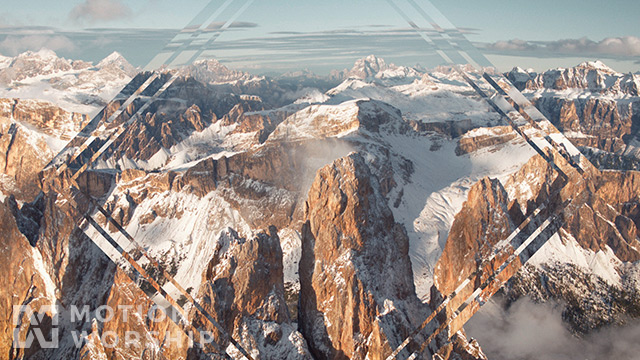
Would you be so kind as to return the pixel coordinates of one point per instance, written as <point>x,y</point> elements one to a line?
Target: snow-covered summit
<point>596,65</point>
<point>373,67</point>
<point>213,72</point>
<point>116,61</point>
<point>590,76</point>
<point>75,85</point>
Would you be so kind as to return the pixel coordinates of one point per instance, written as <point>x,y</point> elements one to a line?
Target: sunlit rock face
<point>357,298</point>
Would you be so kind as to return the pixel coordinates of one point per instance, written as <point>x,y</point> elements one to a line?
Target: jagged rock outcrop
<point>243,290</point>
<point>477,139</point>
<point>595,107</point>
<point>140,327</point>
<point>485,219</point>
<point>265,185</point>
<point>328,121</point>
<point>461,348</point>
<point>606,223</point>
<point>353,248</point>
<point>43,115</point>
<point>23,284</point>
<point>603,221</point>
<point>21,159</point>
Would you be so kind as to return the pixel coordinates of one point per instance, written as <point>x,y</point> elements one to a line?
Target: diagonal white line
<point>191,31</point>
<point>506,107</point>
<point>220,31</point>
<point>178,314</point>
<point>499,101</point>
<point>93,125</point>
<point>194,37</point>
<point>102,127</point>
<point>139,269</point>
<point>464,46</point>
<point>113,136</point>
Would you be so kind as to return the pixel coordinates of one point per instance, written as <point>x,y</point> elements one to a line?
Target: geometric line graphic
<point>187,36</point>
<point>528,122</point>
<point>110,124</point>
<point>81,153</point>
<point>79,197</point>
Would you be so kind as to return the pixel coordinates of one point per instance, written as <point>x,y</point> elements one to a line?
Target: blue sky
<point>332,33</point>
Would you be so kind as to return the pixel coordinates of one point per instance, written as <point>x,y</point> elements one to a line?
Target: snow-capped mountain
<point>76,86</point>
<point>212,71</point>
<point>372,67</point>
<point>593,76</point>
<point>315,223</point>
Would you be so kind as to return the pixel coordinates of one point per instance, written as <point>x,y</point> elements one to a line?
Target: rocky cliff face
<point>604,124</point>
<point>243,289</point>
<point>30,132</point>
<point>604,229</point>
<point>352,246</point>
<point>484,220</point>
<point>29,283</point>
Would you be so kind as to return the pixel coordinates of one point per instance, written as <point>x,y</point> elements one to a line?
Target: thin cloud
<point>14,45</point>
<point>625,46</point>
<point>235,25</point>
<point>93,11</point>
<point>513,45</point>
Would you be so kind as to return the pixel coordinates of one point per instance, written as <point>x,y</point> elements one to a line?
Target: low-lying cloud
<point>529,331</point>
<point>92,11</point>
<point>625,46</point>
<point>14,45</point>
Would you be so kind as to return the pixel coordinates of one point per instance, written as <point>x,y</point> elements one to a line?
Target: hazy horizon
<point>278,37</point>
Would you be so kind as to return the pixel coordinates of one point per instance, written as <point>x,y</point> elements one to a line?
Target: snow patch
<point>564,248</point>
<point>437,190</point>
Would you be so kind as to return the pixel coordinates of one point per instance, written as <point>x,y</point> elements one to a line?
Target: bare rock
<point>357,295</point>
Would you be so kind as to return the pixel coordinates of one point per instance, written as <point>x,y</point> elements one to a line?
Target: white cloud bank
<point>626,46</point>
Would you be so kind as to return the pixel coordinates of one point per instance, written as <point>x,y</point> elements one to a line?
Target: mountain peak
<point>213,71</point>
<point>597,65</point>
<point>112,58</point>
<point>368,67</point>
<point>211,64</point>
<point>371,67</point>
<point>44,54</point>
<point>115,59</point>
